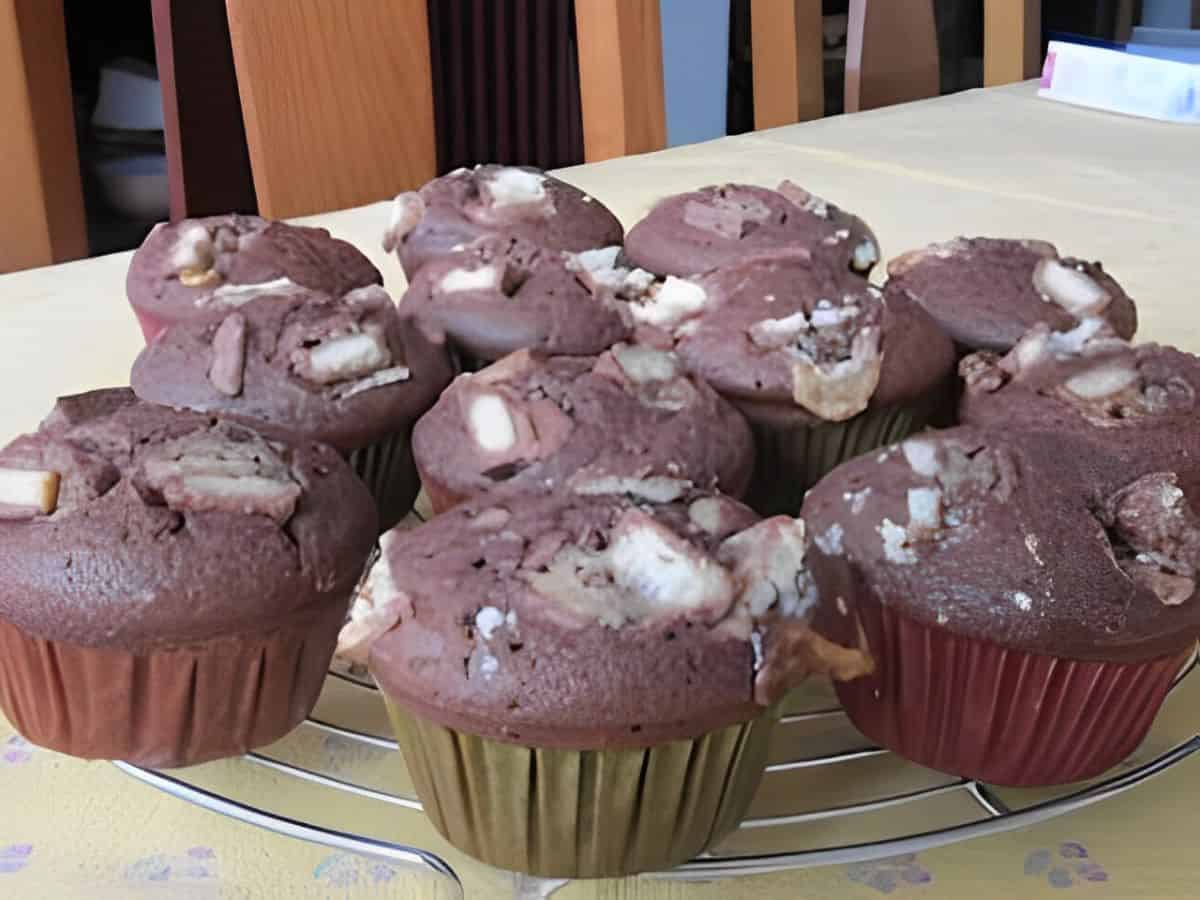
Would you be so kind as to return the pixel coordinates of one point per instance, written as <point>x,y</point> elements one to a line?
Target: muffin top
<point>987,292</point>
<point>502,294</point>
<point>222,262</point>
<point>1137,403</point>
<point>1010,539</point>
<point>343,371</point>
<point>587,620</point>
<point>788,338</point>
<point>132,526</point>
<point>538,423</point>
<point>717,225</point>
<point>512,201</point>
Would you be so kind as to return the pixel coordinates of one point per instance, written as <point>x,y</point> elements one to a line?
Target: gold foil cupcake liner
<point>386,467</point>
<point>789,461</point>
<point>559,813</point>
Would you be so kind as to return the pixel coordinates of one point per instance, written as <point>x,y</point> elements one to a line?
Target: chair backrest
<point>620,77</point>
<point>39,177</point>
<point>891,53</point>
<point>337,100</point>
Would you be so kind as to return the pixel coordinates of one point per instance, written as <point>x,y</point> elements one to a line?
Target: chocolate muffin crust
<point>508,201</point>
<point>987,292</point>
<point>155,528</point>
<point>587,621</point>
<point>538,423</point>
<point>222,262</point>
<point>503,294</point>
<point>1136,405</point>
<point>1006,538</point>
<point>344,371</point>
<point>790,340</point>
<point>690,233</point>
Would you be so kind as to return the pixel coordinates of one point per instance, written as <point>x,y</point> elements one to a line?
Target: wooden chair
<point>337,100</point>
<point>39,178</point>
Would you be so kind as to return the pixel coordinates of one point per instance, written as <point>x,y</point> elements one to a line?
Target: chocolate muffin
<point>691,233</point>
<point>1137,405</point>
<point>199,266</point>
<point>820,366</point>
<point>504,294</point>
<point>986,292</point>
<point>583,684</point>
<point>171,584</point>
<point>538,423</point>
<point>348,372</point>
<point>1026,619</point>
<point>490,200</point>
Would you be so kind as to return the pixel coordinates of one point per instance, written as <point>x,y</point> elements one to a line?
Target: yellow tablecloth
<point>997,162</point>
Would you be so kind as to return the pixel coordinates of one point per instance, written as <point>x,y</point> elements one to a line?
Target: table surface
<point>996,162</point>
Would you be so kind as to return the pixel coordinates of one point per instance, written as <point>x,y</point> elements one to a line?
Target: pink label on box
<point>1048,70</point>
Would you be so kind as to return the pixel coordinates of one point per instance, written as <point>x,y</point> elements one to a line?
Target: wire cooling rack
<point>828,795</point>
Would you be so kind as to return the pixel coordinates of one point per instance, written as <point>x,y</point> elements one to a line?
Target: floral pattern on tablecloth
<point>348,870</point>
<point>1067,865</point>
<point>16,751</point>
<point>889,875</point>
<point>14,858</point>
<point>197,865</point>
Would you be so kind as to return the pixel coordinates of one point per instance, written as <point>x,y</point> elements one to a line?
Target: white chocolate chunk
<point>664,571</point>
<point>485,278</point>
<point>407,211</point>
<point>235,295</point>
<point>657,488</point>
<point>1021,601</point>
<point>707,513</point>
<point>830,541</point>
<point>1073,342</point>
<point>342,358</point>
<point>777,333</point>
<point>675,300</point>
<point>516,187</point>
<point>193,251</point>
<point>487,620</point>
<point>490,423</point>
<point>895,543</point>
<point>756,644</point>
<point>826,315</point>
<point>28,492</point>
<point>768,563</point>
<point>379,379</point>
<point>841,391</point>
<point>229,355</point>
<point>924,508</point>
<point>1101,381</point>
<point>921,456</point>
<point>644,365</point>
<point>598,259</point>
<point>1074,291</point>
<point>249,494</point>
<point>866,254</point>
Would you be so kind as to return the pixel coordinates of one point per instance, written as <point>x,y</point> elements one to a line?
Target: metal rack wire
<point>828,796</point>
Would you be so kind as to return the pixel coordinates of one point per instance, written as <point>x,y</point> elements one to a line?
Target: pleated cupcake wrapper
<point>558,813</point>
<point>788,461</point>
<point>388,470</point>
<point>171,707</point>
<point>1007,717</point>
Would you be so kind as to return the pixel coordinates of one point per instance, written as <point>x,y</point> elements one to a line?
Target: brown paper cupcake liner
<point>171,707</point>
<point>558,813</point>
<point>788,461</point>
<point>1008,717</point>
<point>388,470</point>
